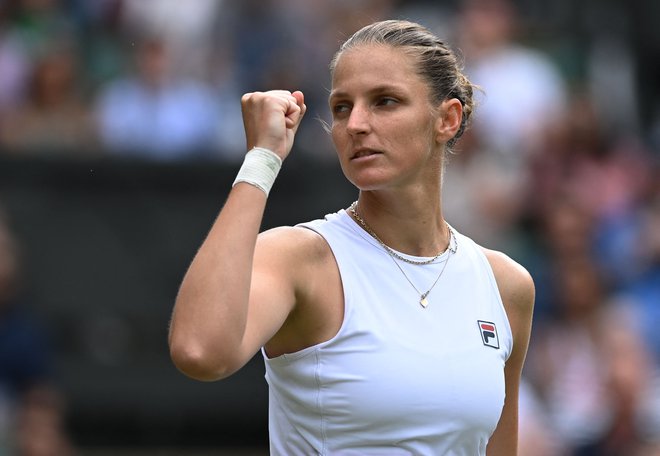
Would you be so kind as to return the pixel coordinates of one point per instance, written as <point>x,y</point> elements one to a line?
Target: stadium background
<point>109,206</point>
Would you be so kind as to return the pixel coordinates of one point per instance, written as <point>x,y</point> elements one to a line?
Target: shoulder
<point>292,238</point>
<point>293,245</point>
<point>516,288</point>
<point>512,278</point>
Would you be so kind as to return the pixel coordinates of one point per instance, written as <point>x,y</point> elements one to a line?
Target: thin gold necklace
<point>423,301</point>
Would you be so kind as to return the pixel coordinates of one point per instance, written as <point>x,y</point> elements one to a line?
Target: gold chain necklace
<point>423,301</point>
<point>353,210</point>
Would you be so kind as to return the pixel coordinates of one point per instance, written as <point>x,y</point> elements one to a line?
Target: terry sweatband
<point>259,168</point>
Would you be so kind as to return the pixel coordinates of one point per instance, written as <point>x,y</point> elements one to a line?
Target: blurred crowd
<point>559,169</point>
<point>32,418</point>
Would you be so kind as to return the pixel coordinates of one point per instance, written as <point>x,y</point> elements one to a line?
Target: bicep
<point>272,294</point>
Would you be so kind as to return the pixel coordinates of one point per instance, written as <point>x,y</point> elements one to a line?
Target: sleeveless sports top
<point>397,378</point>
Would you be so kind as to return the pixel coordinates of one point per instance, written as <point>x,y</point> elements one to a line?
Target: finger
<point>300,97</point>
<point>299,112</point>
<point>293,115</point>
<point>283,100</point>
<point>300,115</point>
<point>283,93</point>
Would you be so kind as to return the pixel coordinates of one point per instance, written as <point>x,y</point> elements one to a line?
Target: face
<point>383,121</point>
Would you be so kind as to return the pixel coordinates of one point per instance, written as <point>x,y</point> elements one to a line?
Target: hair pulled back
<point>436,62</point>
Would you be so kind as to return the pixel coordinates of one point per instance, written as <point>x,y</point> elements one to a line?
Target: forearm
<point>210,313</point>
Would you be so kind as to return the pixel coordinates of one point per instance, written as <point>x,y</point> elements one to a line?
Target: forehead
<point>374,63</point>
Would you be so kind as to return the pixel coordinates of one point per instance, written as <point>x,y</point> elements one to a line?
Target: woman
<point>383,330</point>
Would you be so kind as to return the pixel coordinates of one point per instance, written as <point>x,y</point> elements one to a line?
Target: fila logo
<point>488,332</point>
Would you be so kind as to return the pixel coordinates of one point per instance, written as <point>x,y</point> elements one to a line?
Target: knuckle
<point>246,99</point>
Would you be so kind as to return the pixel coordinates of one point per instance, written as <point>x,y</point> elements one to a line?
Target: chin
<point>367,181</point>
<point>368,176</point>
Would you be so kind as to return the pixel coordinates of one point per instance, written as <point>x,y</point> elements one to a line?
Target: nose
<point>358,120</point>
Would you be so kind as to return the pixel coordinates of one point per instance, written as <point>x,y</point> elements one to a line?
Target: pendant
<point>424,302</point>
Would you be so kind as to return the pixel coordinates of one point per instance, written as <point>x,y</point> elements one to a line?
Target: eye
<point>387,101</point>
<point>340,108</point>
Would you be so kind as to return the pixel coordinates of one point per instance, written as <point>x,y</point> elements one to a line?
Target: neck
<point>414,226</point>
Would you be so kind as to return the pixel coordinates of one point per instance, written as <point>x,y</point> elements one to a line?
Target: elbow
<point>199,364</point>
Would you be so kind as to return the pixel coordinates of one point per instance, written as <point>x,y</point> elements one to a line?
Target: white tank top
<point>397,378</point>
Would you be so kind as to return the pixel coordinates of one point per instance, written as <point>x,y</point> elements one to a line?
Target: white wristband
<point>259,168</point>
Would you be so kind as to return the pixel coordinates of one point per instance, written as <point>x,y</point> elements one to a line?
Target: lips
<point>364,152</point>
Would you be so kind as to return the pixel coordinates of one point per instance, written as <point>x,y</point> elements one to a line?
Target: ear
<point>450,115</point>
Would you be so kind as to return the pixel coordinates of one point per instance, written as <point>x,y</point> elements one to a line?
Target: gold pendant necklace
<point>423,301</point>
<point>451,249</point>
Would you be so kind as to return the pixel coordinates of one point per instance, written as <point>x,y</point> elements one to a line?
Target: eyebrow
<point>383,88</point>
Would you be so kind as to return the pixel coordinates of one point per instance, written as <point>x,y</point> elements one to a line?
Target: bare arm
<point>517,291</point>
<point>213,332</point>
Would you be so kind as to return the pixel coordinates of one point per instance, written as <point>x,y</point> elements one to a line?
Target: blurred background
<point>120,135</point>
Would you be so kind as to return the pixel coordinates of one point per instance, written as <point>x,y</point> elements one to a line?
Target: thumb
<point>296,111</point>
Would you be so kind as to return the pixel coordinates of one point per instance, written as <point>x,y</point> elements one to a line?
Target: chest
<point>397,367</point>
<point>443,384</point>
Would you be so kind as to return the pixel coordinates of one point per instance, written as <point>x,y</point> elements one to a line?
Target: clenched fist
<point>271,119</point>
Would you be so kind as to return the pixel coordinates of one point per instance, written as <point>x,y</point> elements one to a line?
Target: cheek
<point>336,134</point>
<point>420,136</point>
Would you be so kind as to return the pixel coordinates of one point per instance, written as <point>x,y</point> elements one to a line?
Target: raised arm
<point>212,332</point>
